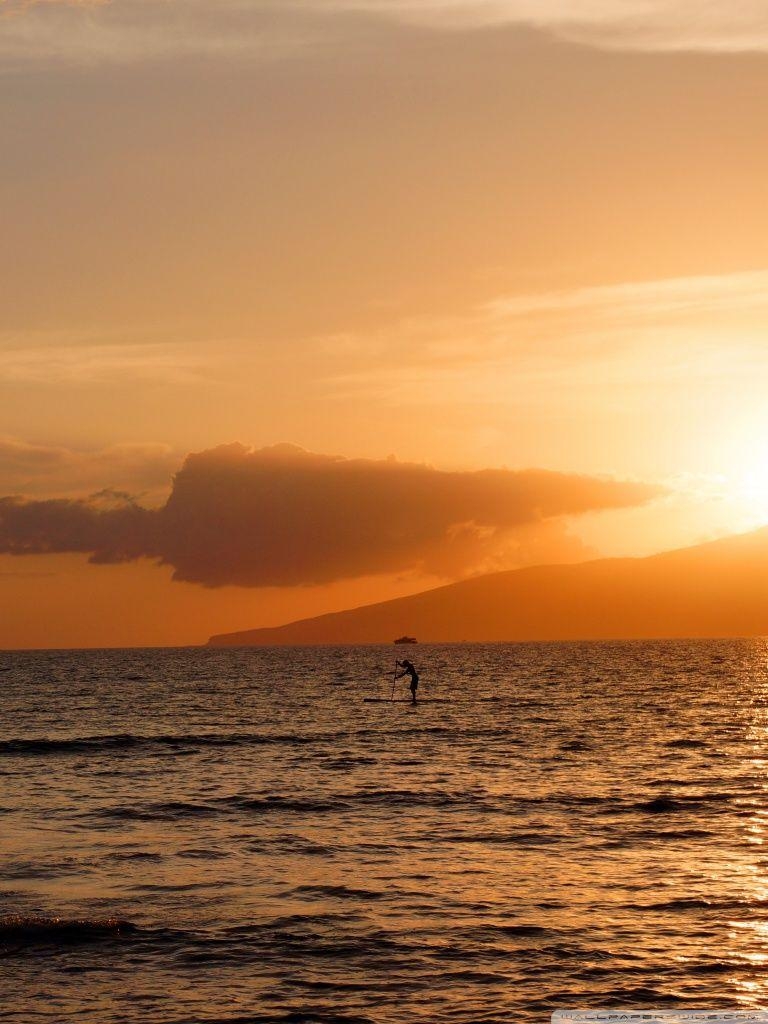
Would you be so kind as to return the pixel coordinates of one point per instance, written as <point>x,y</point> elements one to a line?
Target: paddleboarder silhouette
<point>409,670</point>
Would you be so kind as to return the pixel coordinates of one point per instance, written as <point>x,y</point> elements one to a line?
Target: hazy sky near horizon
<point>469,234</point>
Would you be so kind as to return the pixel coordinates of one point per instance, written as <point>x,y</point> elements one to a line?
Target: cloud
<point>653,25</point>
<point>69,358</point>
<point>54,470</point>
<point>605,338</point>
<point>109,527</point>
<point>282,516</point>
<point>92,32</point>
<point>126,31</point>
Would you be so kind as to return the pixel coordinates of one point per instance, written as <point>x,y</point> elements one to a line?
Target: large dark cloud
<point>282,516</point>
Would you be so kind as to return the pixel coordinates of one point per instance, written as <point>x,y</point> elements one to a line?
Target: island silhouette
<point>717,589</point>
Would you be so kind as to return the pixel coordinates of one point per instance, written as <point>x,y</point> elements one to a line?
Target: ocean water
<point>235,835</point>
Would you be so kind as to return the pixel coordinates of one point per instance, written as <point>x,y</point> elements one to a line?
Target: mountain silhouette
<point>717,589</point>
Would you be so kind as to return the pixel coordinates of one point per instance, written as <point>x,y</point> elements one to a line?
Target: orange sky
<point>470,235</point>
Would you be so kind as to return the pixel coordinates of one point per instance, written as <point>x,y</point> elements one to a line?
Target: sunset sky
<point>411,289</point>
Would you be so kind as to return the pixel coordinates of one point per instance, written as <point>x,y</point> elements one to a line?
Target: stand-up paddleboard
<point>405,700</point>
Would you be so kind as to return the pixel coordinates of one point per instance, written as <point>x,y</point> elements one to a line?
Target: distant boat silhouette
<point>406,640</point>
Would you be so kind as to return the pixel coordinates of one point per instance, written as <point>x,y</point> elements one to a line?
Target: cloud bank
<point>53,470</point>
<point>282,516</point>
<point>120,31</point>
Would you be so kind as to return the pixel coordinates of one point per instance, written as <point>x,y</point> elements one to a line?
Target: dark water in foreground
<point>233,835</point>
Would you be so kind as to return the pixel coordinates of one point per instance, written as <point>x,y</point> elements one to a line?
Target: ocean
<point>211,835</point>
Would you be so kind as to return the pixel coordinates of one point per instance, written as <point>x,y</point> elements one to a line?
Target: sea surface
<point>236,835</point>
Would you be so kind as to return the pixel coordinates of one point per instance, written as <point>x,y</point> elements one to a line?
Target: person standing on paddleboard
<point>409,670</point>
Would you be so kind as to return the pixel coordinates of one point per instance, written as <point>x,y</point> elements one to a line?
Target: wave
<point>178,810</point>
<point>443,800</point>
<point>129,741</point>
<point>18,929</point>
<point>700,903</point>
<point>678,804</point>
<point>54,745</point>
<point>521,929</point>
<point>297,1017</point>
<point>48,866</point>
<point>502,838</point>
<point>338,891</point>
<point>288,842</point>
<point>20,934</point>
<point>414,798</point>
<point>172,810</point>
<point>635,836</point>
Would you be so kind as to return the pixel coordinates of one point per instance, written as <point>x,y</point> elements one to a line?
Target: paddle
<point>394,679</point>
